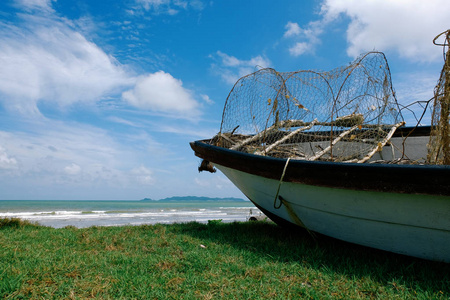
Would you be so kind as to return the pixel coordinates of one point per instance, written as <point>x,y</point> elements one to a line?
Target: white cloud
<point>74,155</point>
<point>195,132</point>
<point>6,162</point>
<point>30,5</point>
<point>299,48</point>
<point>206,99</point>
<point>162,92</point>
<point>197,4</point>
<point>292,29</point>
<point>46,60</point>
<point>305,39</point>
<point>52,147</point>
<point>219,181</point>
<point>405,26</point>
<point>123,121</point>
<point>413,87</point>
<point>153,4</point>
<point>170,7</point>
<point>72,169</point>
<point>231,68</point>
<point>143,175</point>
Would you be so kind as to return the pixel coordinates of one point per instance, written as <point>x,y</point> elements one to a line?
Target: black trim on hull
<point>409,179</point>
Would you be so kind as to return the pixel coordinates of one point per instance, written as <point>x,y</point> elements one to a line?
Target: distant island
<point>194,198</point>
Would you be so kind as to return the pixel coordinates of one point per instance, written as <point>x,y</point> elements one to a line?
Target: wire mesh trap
<point>439,144</point>
<point>344,115</point>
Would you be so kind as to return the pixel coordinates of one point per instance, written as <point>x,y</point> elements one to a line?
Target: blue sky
<point>100,99</point>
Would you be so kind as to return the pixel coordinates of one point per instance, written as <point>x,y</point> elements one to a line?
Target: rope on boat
<point>279,186</point>
<point>289,209</point>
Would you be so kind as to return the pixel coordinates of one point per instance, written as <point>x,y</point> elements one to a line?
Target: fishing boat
<point>330,152</point>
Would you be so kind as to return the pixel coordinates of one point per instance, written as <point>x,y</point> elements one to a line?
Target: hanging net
<point>439,144</point>
<point>345,115</point>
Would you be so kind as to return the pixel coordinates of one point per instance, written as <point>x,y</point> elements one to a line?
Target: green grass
<point>249,260</point>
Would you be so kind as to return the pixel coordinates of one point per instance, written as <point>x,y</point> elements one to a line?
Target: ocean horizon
<point>87,213</point>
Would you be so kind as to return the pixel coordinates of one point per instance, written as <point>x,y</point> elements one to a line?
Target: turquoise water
<point>81,214</point>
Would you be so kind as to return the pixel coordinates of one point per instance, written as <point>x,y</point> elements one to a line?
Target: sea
<point>81,214</point>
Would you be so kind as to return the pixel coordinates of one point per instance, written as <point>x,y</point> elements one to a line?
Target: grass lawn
<point>248,260</point>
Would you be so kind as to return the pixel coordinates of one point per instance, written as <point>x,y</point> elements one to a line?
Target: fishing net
<point>346,115</point>
<point>439,144</point>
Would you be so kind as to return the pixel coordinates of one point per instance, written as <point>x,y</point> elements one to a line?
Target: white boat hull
<point>411,224</point>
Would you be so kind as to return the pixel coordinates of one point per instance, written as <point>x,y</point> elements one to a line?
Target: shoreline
<point>83,214</point>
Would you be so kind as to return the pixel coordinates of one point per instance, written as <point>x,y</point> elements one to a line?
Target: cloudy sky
<point>100,99</point>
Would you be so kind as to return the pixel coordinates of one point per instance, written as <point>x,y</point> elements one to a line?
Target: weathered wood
<point>268,149</point>
<point>227,138</point>
<point>318,155</point>
<point>348,120</point>
<point>345,121</point>
<point>381,144</point>
<point>250,139</point>
<point>284,124</point>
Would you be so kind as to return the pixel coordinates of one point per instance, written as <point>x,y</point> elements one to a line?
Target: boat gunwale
<point>410,179</point>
